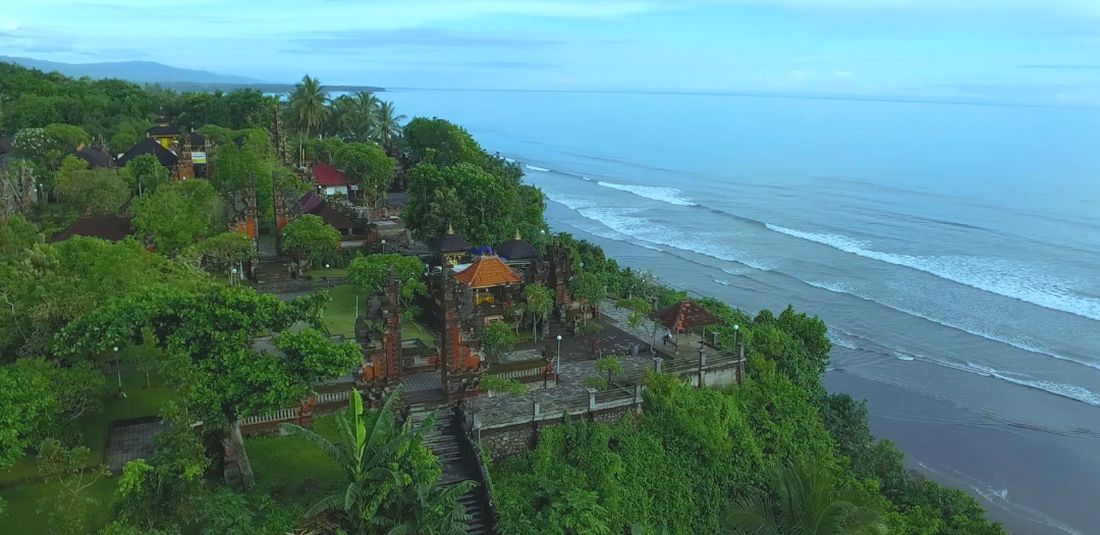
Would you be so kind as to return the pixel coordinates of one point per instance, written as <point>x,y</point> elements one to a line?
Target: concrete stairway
<point>443,440</point>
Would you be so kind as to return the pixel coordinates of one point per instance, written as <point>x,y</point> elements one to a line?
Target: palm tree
<point>387,125</point>
<point>366,114</point>
<point>308,103</point>
<point>370,444</point>
<point>344,116</point>
<point>435,510</point>
<point>807,504</point>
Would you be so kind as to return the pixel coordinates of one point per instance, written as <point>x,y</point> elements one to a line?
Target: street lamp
<point>383,246</point>
<point>736,328</point>
<point>118,373</point>
<point>233,275</point>
<point>558,365</point>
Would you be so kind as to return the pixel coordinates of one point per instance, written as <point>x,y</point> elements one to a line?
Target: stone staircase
<point>271,276</point>
<point>444,440</point>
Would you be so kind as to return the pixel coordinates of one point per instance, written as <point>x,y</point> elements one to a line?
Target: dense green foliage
<point>177,215</point>
<point>310,239</point>
<point>455,183</point>
<point>371,274</point>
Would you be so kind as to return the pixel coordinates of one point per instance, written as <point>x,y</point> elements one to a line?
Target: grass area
<point>340,316</point>
<point>293,471</point>
<point>92,428</point>
<point>23,501</point>
<point>320,273</point>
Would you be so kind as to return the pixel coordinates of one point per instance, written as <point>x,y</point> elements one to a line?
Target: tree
<point>309,239</point>
<point>177,214</point>
<point>610,365</point>
<point>540,303</point>
<point>589,290</point>
<point>66,510</point>
<point>129,132</point>
<point>434,510</point>
<point>376,454</point>
<point>145,174</point>
<point>222,252</point>
<point>27,406</point>
<point>308,104</point>
<point>497,339</point>
<point>371,274</point>
<point>808,504</point>
<point>221,373</point>
<point>441,143</point>
<point>368,164</point>
<point>387,126</point>
<point>155,493</point>
<point>17,234</point>
<point>95,191</point>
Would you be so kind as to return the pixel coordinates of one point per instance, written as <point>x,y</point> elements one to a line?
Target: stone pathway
<point>131,441</point>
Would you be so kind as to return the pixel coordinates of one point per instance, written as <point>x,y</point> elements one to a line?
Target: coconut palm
<point>807,504</point>
<point>308,104</point>
<point>435,510</point>
<point>387,125</point>
<point>366,114</point>
<point>344,117</point>
<point>370,446</point>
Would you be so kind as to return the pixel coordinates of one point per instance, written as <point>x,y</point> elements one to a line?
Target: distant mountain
<point>134,71</point>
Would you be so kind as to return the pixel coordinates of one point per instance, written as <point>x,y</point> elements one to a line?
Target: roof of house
<point>328,176</point>
<point>311,203</point>
<point>449,243</point>
<point>94,157</point>
<point>149,146</point>
<point>517,249</point>
<point>196,139</point>
<point>161,130</point>
<point>684,316</point>
<point>487,272</point>
<point>107,227</point>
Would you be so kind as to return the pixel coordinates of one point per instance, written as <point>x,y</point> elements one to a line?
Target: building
<point>493,285</point>
<point>107,227</point>
<point>311,203</point>
<point>450,248</point>
<point>97,159</point>
<point>166,157</point>
<point>331,181</point>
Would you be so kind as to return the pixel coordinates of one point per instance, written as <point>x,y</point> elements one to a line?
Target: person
<point>667,338</point>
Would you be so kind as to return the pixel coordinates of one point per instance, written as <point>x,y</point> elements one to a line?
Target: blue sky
<point>1043,51</point>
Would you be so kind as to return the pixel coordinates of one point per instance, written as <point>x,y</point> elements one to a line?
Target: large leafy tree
<point>309,239</point>
<point>17,234</point>
<point>441,142</point>
<point>145,174</point>
<point>589,289</point>
<point>94,191</point>
<point>210,338</point>
<point>222,252</point>
<point>371,274</point>
<point>177,214</point>
<point>368,164</point>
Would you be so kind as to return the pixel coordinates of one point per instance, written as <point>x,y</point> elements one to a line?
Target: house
<point>164,134</point>
<point>331,181</point>
<point>97,159</point>
<point>450,248</point>
<point>107,227</point>
<point>491,282</point>
<point>166,157</point>
<point>311,203</point>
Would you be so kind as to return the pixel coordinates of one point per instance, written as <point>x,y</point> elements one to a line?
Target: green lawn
<point>319,273</point>
<point>23,501</point>
<point>340,316</point>
<point>292,470</point>
<point>92,428</point>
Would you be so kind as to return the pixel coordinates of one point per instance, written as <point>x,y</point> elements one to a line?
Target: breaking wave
<point>1016,282</point>
<point>655,193</point>
<point>536,168</point>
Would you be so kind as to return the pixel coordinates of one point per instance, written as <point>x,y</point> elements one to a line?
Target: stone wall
<point>510,440</point>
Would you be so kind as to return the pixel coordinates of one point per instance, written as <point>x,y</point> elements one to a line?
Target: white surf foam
<point>721,282</point>
<point>655,193</point>
<point>989,274</point>
<point>1073,392</point>
<point>1018,344</point>
<point>536,168</point>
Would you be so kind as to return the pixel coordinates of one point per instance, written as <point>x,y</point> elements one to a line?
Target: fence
<point>524,372</point>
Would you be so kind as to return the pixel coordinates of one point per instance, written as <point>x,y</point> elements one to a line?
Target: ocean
<point>953,250</point>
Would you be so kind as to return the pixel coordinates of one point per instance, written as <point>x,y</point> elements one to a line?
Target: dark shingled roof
<point>311,203</point>
<point>149,146</point>
<point>94,157</point>
<point>517,249</point>
<point>163,130</point>
<point>449,243</point>
<point>684,316</point>
<point>196,139</point>
<point>107,227</point>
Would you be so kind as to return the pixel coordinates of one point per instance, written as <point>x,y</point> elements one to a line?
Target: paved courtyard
<point>131,441</point>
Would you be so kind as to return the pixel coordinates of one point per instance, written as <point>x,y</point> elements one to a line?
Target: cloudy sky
<point>1018,50</point>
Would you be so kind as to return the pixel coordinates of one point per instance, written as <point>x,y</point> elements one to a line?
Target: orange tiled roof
<point>488,272</point>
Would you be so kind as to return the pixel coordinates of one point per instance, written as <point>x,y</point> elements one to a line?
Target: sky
<point>1025,51</point>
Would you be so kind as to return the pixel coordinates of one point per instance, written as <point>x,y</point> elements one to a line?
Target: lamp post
<point>233,276</point>
<point>118,373</point>
<point>736,328</point>
<point>557,366</point>
<point>383,246</point>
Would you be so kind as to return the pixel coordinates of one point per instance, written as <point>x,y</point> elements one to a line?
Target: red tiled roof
<point>488,272</point>
<point>684,316</point>
<point>327,175</point>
